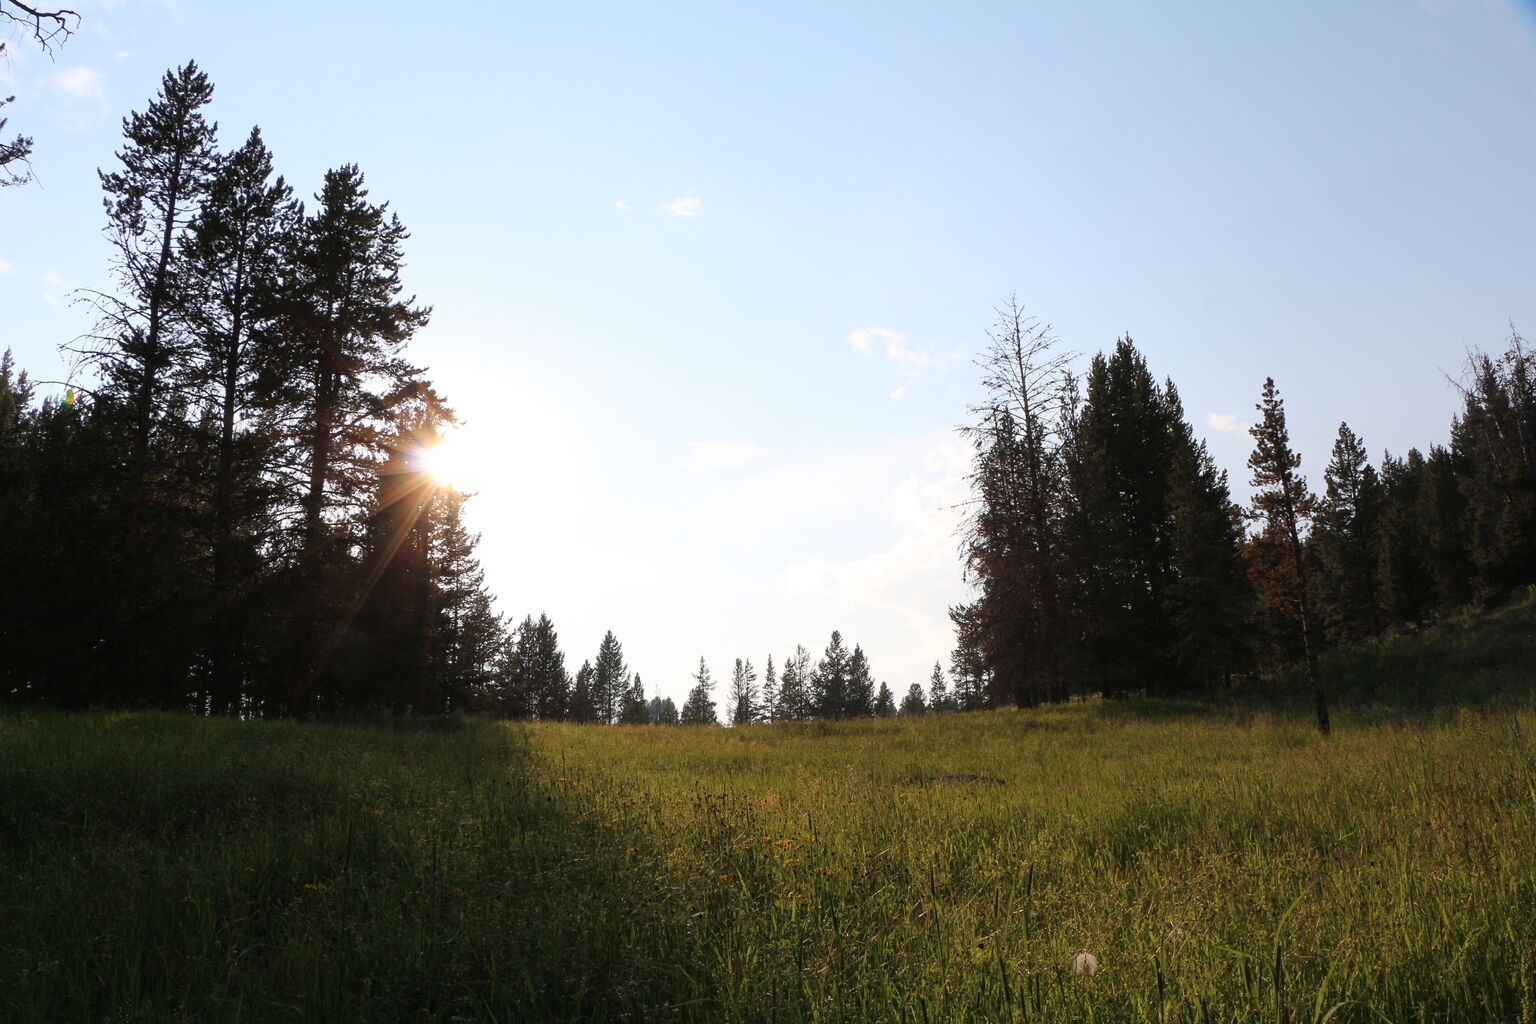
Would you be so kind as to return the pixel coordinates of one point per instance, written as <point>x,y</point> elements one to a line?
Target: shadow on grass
<point>169,868</point>
<point>1485,661</point>
<point>1478,660</point>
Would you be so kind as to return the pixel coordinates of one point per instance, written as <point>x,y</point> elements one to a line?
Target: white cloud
<point>1225,421</point>
<point>122,54</point>
<point>719,456</point>
<point>912,362</point>
<point>859,340</point>
<point>684,206</point>
<point>55,282</point>
<point>82,83</point>
<point>896,348</point>
<point>915,576</point>
<point>620,204</point>
<point>7,267</point>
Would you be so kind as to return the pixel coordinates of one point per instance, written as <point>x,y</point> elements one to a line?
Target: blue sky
<point>708,278</point>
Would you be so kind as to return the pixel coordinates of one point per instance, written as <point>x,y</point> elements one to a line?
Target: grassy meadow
<point>1220,865</point>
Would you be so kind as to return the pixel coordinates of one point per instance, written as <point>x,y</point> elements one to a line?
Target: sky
<point>708,280</point>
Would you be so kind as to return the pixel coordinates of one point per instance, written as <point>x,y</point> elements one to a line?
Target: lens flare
<point>448,461</point>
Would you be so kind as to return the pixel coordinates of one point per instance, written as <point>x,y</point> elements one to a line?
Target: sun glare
<point>448,461</point>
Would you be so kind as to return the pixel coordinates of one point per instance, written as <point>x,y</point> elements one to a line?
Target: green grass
<point>1222,865</point>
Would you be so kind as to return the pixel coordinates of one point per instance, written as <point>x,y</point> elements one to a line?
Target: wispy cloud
<point>82,83</point>
<point>56,283</point>
<point>619,204</point>
<point>896,348</point>
<point>1225,421</point>
<point>6,267</point>
<point>912,362</point>
<point>684,206</point>
<point>719,456</point>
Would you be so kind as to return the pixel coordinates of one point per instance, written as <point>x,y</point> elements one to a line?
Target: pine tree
<point>744,701</point>
<point>1345,539</point>
<point>1210,597</point>
<point>1442,517</point>
<point>938,691</point>
<point>770,695</point>
<point>232,255</point>
<point>829,683</point>
<point>1494,443</point>
<point>967,662</point>
<point>1015,545</point>
<point>913,703</point>
<point>140,339</point>
<point>885,702</point>
<point>633,709</point>
<point>510,693</point>
<point>861,686</point>
<point>549,684</point>
<point>1405,584</point>
<point>796,701</point>
<point>150,203</point>
<point>610,679</point>
<point>699,709</point>
<point>344,325</point>
<point>398,606</point>
<point>468,636</point>
<point>1123,444</point>
<point>580,708</point>
<point>1285,505</point>
<point>663,711</point>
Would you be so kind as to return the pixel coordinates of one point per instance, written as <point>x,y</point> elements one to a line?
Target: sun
<point>448,462</point>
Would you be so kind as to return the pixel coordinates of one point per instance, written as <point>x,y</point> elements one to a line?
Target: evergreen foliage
<point>610,680</point>
<point>582,709</point>
<point>1284,504</point>
<point>769,708</point>
<point>939,698</point>
<point>699,709</point>
<point>796,699</point>
<point>1015,542</point>
<point>913,703</point>
<point>744,693</point>
<point>662,711</point>
<point>861,686</point>
<point>633,709</point>
<point>829,683</point>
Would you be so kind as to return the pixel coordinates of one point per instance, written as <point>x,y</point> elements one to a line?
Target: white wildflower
<point>1085,963</point>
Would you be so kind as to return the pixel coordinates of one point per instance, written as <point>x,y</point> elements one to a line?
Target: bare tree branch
<point>47,26</point>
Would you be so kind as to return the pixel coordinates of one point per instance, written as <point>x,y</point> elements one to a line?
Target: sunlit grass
<point>1222,866</point>
<point>1215,869</point>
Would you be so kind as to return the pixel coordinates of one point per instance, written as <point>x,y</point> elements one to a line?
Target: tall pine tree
<point>1284,505</point>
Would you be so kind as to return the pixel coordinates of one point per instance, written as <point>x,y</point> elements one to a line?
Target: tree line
<point>1107,555</point>
<point>531,681</point>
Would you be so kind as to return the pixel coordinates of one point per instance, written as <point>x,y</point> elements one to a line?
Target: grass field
<point>1220,865</point>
